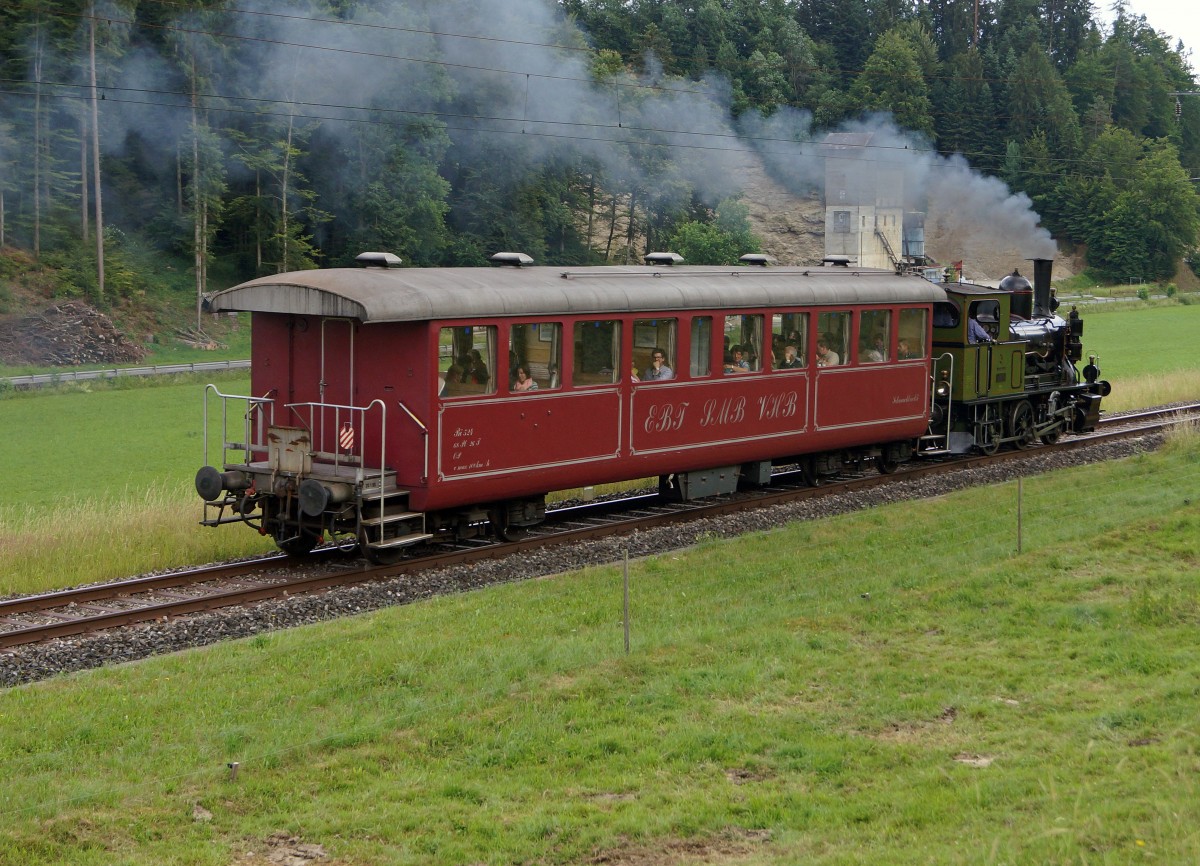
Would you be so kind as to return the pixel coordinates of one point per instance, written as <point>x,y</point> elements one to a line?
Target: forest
<point>243,138</point>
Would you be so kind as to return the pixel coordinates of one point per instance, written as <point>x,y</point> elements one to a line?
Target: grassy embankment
<point>896,686</point>
<point>98,476</point>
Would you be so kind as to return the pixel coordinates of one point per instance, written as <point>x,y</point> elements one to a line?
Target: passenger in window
<point>478,371</point>
<point>826,357</point>
<point>658,371</point>
<point>524,382</point>
<point>735,361</point>
<point>790,361</point>
<point>876,351</point>
<point>903,350</point>
<point>633,376</point>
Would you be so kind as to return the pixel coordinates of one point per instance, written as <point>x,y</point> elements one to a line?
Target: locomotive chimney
<point>1041,286</point>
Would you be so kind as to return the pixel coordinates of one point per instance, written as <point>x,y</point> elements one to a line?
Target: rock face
<point>66,335</point>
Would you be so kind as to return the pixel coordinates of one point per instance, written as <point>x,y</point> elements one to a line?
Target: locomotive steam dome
<point>1022,294</point>
<point>1014,282</point>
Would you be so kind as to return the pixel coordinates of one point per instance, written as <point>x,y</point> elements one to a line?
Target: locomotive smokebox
<point>1042,269</point>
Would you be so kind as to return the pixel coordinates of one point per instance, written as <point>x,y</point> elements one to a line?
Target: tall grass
<point>95,539</point>
<point>1153,389</point>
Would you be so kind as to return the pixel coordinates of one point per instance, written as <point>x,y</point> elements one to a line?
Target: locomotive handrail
<point>425,433</point>
<point>949,396</point>
<point>254,407</point>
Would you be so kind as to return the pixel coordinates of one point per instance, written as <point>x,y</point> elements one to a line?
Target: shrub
<point>1143,293</point>
<point>1172,290</point>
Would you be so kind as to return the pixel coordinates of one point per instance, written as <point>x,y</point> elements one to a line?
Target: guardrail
<point>41,380</point>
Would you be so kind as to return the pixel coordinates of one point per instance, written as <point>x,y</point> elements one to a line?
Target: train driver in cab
<point>658,371</point>
<point>976,333</point>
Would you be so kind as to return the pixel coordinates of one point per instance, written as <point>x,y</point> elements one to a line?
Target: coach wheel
<point>808,468</point>
<point>383,555</point>
<point>1020,424</point>
<point>503,529</point>
<point>886,465</point>
<point>297,545</point>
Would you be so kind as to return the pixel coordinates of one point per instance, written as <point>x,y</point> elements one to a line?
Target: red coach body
<point>409,385</point>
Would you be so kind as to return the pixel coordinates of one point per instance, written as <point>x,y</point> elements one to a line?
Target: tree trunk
<point>84,218</point>
<point>591,209</point>
<point>632,223</point>
<point>96,161</point>
<point>197,234</point>
<point>178,180</point>
<point>612,229</point>
<point>283,197</point>
<point>258,218</point>
<point>37,139</point>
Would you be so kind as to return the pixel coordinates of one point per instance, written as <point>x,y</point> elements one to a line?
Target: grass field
<point>897,686</point>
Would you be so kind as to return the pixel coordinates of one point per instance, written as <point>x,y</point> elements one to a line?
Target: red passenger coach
<point>399,404</point>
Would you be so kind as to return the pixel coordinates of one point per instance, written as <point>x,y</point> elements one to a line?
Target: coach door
<point>337,362</point>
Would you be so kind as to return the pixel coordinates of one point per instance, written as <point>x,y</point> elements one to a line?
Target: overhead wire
<point>623,126</point>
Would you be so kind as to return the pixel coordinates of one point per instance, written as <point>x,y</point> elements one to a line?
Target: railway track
<point>66,613</point>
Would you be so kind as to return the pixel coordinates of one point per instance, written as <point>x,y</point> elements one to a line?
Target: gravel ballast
<point>41,661</point>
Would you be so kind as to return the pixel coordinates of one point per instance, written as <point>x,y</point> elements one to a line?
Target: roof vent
<point>512,260</point>
<point>664,259</point>
<point>757,259</point>
<point>378,260</point>
<point>836,261</point>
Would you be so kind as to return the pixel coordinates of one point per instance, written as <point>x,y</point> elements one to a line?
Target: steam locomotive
<point>390,405</point>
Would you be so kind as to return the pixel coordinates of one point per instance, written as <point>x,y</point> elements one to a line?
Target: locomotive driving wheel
<point>1020,424</point>
<point>988,432</point>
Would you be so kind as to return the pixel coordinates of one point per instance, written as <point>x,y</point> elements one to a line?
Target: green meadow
<point>895,686</point>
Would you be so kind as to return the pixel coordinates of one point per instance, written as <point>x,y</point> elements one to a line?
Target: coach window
<point>743,344</point>
<point>654,352</point>
<point>913,330</point>
<point>789,341</point>
<point>833,333</point>
<point>537,348</point>
<point>597,352</point>
<point>874,336</point>
<point>701,347</point>
<point>467,361</point>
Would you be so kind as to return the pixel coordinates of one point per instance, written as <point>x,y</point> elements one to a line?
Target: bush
<point>1143,293</point>
<point>1172,290</point>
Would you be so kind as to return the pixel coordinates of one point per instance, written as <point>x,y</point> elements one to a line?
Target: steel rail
<point>564,526</point>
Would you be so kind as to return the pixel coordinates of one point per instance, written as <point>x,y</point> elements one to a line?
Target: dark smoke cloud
<point>485,71</point>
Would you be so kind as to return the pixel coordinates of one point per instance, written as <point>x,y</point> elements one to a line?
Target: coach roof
<point>417,294</point>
